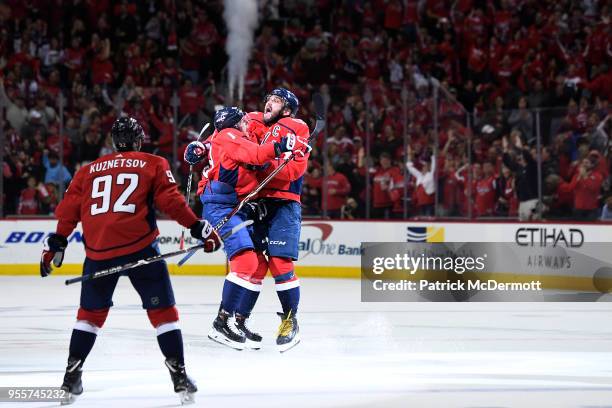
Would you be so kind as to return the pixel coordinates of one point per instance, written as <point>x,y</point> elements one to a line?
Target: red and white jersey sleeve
<point>243,151</point>
<point>230,150</point>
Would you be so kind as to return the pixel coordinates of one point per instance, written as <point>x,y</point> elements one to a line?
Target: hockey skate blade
<point>187,398</point>
<point>252,345</point>
<point>288,346</point>
<point>218,338</point>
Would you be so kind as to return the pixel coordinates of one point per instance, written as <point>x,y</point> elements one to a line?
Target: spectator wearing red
<point>507,202</point>
<point>170,70</point>
<point>74,58</point>
<point>477,61</point>
<point>503,21</point>
<point>29,199</point>
<point>165,127</point>
<point>24,59</point>
<point>189,60</point>
<point>505,71</point>
<point>335,117</point>
<point>335,190</point>
<point>311,193</point>
<point>343,143</point>
<point>205,37</point>
<point>399,193</point>
<point>485,191</point>
<point>475,25</point>
<point>102,69</point>
<point>393,15</point>
<point>586,186</point>
<point>425,184</point>
<point>496,51</point>
<point>561,200</point>
<point>382,184</point>
<point>52,85</point>
<point>191,98</point>
<point>452,185</point>
<point>598,43</point>
<point>601,85</point>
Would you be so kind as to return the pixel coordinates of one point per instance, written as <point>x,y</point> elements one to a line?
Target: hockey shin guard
<point>250,296</point>
<point>287,284</point>
<point>85,331</point>
<point>171,344</point>
<point>241,288</point>
<point>169,336</point>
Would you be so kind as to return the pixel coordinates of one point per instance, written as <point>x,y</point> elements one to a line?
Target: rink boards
<point>329,248</point>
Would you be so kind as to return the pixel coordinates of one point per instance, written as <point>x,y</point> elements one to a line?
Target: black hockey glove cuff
<point>53,251</point>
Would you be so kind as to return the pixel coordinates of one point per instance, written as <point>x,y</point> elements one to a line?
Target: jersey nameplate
<point>111,164</point>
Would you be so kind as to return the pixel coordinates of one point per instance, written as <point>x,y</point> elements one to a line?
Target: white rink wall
<point>327,248</point>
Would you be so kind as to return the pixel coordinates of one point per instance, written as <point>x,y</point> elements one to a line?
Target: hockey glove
<point>203,231</point>
<point>307,147</point>
<point>195,153</point>
<point>53,250</point>
<point>286,144</point>
<point>256,210</point>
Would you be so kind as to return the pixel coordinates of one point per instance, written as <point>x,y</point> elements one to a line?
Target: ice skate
<point>288,332</point>
<point>72,384</point>
<point>224,332</point>
<point>183,385</point>
<point>253,340</point>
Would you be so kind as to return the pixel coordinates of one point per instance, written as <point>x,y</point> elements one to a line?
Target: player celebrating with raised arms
<point>228,177</point>
<point>115,198</point>
<point>278,233</point>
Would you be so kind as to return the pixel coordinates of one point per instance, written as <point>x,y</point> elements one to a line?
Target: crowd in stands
<point>468,108</point>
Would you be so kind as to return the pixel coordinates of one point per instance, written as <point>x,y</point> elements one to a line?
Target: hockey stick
<point>317,99</point>
<point>188,194</point>
<point>156,258</point>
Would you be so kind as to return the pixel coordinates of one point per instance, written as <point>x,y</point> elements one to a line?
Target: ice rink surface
<point>352,354</point>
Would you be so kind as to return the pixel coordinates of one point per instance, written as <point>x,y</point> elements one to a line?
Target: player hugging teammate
<point>240,157</point>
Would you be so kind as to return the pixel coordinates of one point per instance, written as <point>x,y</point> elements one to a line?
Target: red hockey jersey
<point>288,183</point>
<point>230,150</point>
<point>115,198</point>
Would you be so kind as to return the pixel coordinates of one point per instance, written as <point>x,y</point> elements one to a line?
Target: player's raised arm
<point>243,150</point>
<point>232,126</point>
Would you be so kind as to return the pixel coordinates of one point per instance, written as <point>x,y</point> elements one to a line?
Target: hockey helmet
<point>291,101</point>
<point>126,133</point>
<point>227,117</point>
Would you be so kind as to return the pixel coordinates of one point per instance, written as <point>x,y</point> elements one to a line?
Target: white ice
<point>352,354</point>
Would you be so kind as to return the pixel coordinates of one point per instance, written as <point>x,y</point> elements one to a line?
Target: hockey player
<point>229,177</point>
<point>278,233</point>
<point>115,198</point>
